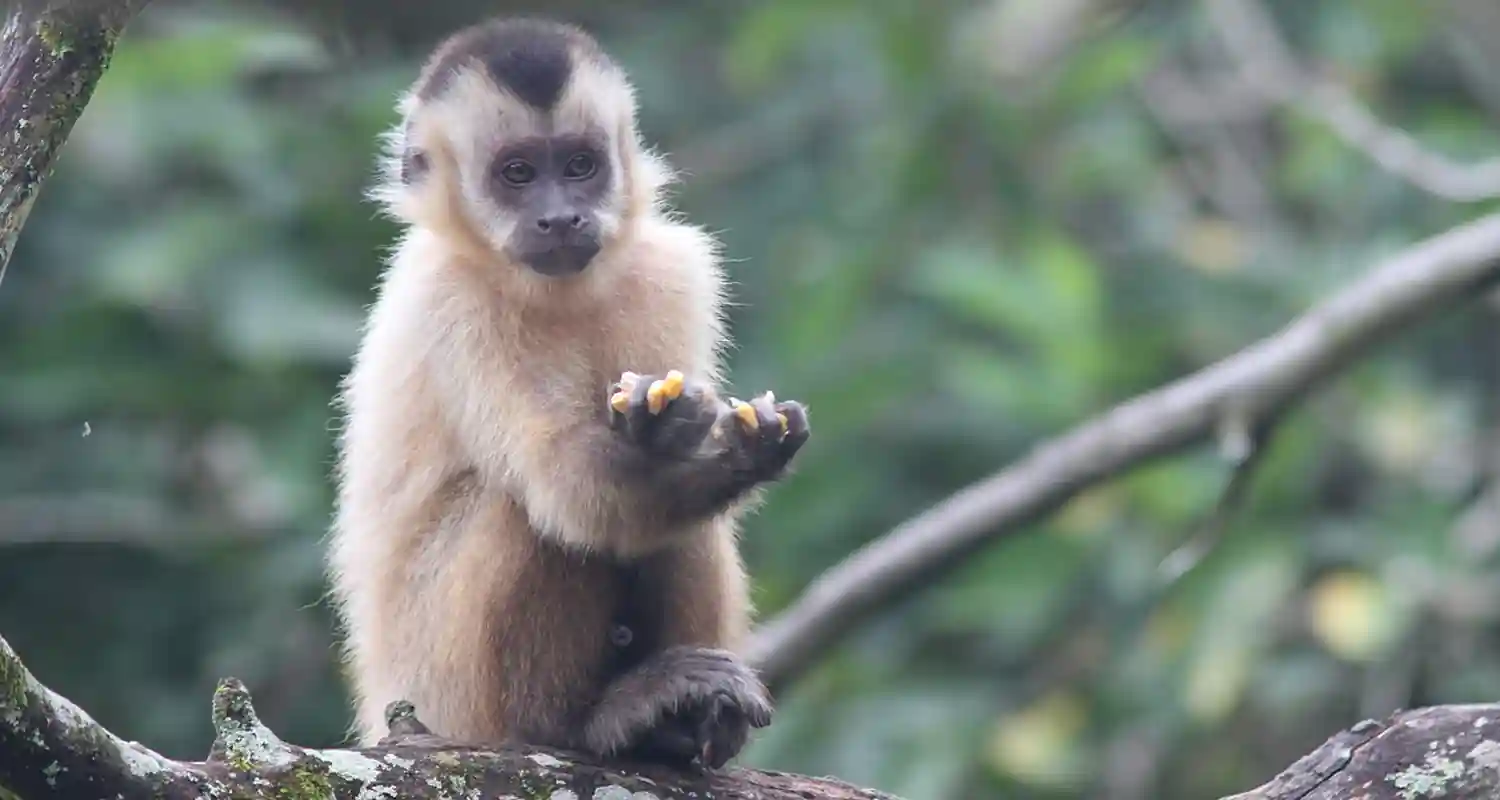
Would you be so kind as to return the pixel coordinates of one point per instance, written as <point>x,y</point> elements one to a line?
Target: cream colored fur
<point>473,413</point>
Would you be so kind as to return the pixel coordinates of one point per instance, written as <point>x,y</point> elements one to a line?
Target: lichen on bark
<point>51,60</point>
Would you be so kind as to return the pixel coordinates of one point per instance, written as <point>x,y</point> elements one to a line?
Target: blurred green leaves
<point>947,260</point>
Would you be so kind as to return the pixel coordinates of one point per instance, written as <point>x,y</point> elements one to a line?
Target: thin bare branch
<point>1268,66</point>
<point>1415,285</point>
<point>1246,450</point>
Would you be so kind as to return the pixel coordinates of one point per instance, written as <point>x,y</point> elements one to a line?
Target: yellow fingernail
<point>672,384</point>
<point>780,417</point>
<point>746,413</point>
<point>656,397</point>
<point>619,402</point>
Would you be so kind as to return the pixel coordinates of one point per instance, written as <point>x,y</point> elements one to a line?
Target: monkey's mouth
<point>564,258</point>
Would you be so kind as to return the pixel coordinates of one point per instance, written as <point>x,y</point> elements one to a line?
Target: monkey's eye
<point>517,172</point>
<point>579,167</point>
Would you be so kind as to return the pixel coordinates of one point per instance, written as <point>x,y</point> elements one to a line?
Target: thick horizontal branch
<point>51,748</point>
<point>1231,396</point>
<point>1452,752</point>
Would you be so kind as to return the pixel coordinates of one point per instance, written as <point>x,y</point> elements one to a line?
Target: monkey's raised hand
<point>762,435</point>
<point>685,705</point>
<point>671,416</point>
<point>667,417</point>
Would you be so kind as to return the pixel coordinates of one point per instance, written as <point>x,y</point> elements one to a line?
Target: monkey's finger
<point>638,416</point>
<point>682,428</point>
<point>618,395</point>
<point>756,708</point>
<point>745,415</point>
<point>723,731</point>
<point>663,391</point>
<point>766,441</point>
<point>619,401</point>
<point>798,429</point>
<point>767,417</point>
<point>674,738</point>
<point>672,385</point>
<point>656,397</point>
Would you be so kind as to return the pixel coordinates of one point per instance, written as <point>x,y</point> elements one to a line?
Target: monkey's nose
<point>561,222</point>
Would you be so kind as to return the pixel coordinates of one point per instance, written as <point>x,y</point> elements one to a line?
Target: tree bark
<point>1449,752</point>
<point>51,58</point>
<point>49,748</point>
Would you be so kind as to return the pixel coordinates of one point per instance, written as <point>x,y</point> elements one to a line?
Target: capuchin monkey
<point>539,476</point>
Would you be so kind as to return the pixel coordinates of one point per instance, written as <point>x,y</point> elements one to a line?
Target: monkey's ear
<point>414,165</point>
<point>414,161</point>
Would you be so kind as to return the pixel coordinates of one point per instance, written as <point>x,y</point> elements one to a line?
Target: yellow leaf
<point>1351,615</point>
<point>1213,246</point>
<point>1038,744</point>
<point>1216,682</point>
<point>1402,434</point>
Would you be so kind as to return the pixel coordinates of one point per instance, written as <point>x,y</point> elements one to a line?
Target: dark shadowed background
<point>956,228</point>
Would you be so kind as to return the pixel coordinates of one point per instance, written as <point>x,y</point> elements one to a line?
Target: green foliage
<point>948,262</point>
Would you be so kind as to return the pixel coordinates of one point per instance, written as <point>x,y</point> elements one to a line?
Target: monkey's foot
<point>763,435</point>
<point>667,416</point>
<point>687,705</point>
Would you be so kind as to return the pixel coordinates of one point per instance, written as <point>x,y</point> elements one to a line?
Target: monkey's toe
<point>707,734</point>
<point>686,705</point>
<point>724,731</point>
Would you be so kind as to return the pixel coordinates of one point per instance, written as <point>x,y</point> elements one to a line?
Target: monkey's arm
<point>582,473</point>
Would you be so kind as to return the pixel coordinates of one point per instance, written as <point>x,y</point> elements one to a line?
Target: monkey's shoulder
<point>670,244</point>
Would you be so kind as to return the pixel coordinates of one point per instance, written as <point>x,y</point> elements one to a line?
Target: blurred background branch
<point>1271,70</point>
<point>1242,391</point>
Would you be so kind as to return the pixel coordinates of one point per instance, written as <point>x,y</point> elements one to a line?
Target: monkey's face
<point>522,133</point>
<point>555,190</point>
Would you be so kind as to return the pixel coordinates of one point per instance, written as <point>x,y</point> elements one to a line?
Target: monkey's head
<point>519,139</point>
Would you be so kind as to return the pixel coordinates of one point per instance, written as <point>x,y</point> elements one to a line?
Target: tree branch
<point>1248,388</point>
<point>51,748</point>
<point>1267,65</point>
<point>51,57</point>
<point>1452,752</point>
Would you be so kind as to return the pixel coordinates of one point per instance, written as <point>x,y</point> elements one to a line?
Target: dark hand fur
<point>683,705</point>
<point>697,454</point>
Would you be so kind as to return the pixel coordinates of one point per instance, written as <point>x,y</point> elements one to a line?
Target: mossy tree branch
<point>51,57</point>
<point>51,748</point>
<point>1452,752</point>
